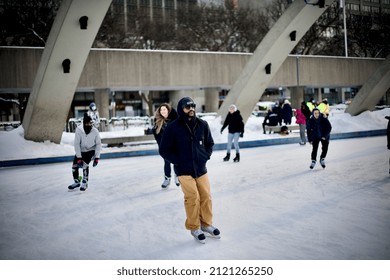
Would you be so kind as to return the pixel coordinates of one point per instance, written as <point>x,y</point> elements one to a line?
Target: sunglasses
<point>190,105</point>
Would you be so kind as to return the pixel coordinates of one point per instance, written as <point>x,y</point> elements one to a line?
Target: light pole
<point>342,5</point>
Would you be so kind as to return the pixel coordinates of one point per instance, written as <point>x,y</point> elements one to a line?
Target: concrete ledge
<point>217,147</point>
<point>118,141</point>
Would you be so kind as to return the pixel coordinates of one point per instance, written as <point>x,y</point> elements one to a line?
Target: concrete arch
<point>67,48</point>
<point>272,51</point>
<point>74,31</point>
<point>372,91</point>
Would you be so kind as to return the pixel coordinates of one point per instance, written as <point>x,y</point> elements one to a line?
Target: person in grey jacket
<point>87,145</point>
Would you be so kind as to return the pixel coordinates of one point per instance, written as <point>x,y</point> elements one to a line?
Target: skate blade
<point>200,241</point>
<point>208,235</point>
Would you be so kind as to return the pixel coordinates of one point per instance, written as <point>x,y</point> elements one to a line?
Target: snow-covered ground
<point>268,206</point>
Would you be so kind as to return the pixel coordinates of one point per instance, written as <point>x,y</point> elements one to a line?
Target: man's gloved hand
<point>95,162</point>
<point>80,163</point>
<point>242,134</point>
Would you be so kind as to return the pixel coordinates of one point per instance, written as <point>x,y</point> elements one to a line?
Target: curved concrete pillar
<point>211,99</point>
<point>102,100</point>
<point>67,48</point>
<point>270,55</point>
<point>372,91</point>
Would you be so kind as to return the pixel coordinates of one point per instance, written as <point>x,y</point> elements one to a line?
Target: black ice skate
<point>167,181</point>
<point>75,185</point>
<point>212,231</point>
<point>177,182</point>
<point>84,185</point>
<point>199,236</point>
<point>313,163</point>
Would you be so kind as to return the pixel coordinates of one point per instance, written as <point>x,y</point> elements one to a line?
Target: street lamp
<point>342,5</point>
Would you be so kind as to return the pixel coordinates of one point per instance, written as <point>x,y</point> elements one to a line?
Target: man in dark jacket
<point>271,119</point>
<point>318,130</point>
<point>188,144</point>
<point>287,112</point>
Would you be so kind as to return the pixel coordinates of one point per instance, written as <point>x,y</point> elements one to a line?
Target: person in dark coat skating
<point>287,112</point>
<point>318,130</point>
<point>164,115</point>
<point>188,144</point>
<point>235,125</point>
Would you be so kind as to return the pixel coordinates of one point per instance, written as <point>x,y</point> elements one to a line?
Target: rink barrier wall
<point>217,147</point>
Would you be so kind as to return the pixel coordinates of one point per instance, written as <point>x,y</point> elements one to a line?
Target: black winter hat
<point>182,103</point>
<point>86,119</point>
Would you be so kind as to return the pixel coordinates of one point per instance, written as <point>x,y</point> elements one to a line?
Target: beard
<point>191,114</point>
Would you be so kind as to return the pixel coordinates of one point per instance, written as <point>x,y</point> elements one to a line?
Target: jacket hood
<point>180,105</point>
<point>234,107</point>
<point>315,109</point>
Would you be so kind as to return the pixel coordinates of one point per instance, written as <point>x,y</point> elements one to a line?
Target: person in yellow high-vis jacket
<point>324,107</point>
<point>311,104</point>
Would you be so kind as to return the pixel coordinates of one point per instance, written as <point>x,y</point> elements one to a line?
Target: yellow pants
<point>197,201</point>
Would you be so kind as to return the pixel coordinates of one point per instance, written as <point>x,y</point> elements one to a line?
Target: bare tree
<point>369,35</point>
<point>325,37</point>
<point>218,28</point>
<point>146,96</point>
<point>26,23</point>
<point>202,27</point>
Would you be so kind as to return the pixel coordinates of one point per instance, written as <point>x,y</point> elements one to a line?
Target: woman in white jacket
<point>87,145</point>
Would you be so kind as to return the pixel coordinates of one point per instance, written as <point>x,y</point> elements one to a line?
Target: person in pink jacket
<point>301,115</point>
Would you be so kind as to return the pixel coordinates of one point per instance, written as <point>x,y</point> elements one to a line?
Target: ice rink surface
<point>269,206</point>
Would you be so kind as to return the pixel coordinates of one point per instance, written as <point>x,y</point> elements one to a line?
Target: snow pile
<point>365,121</point>
<point>14,146</point>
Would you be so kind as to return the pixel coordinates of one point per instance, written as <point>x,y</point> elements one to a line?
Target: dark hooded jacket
<point>234,121</point>
<point>271,119</point>
<point>171,117</point>
<point>188,144</point>
<point>318,128</point>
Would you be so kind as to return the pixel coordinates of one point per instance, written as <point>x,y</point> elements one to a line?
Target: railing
<point>9,125</point>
